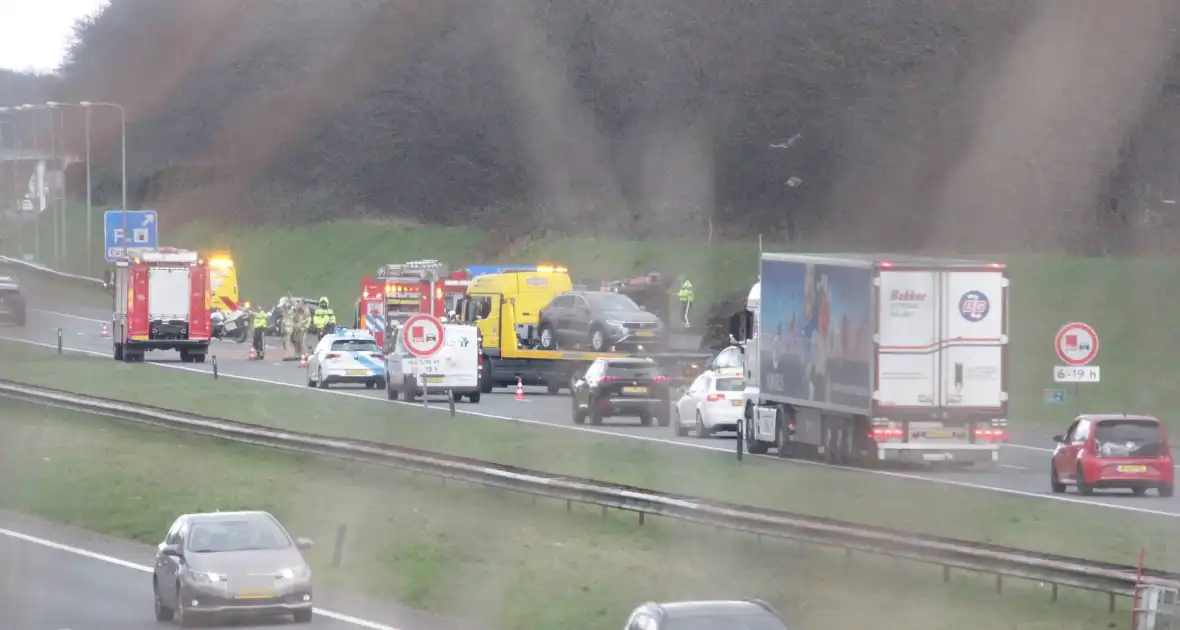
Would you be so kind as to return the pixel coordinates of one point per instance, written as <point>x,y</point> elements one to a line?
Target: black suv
<point>12,302</point>
<point>622,387</point>
<point>599,319</point>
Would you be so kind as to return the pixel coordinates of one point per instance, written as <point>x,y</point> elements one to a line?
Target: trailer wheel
<point>753,446</point>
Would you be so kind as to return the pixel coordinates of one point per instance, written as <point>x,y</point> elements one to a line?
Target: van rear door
<point>460,359</point>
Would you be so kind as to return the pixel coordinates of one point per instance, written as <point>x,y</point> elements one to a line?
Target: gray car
<point>230,564</point>
<point>598,320</point>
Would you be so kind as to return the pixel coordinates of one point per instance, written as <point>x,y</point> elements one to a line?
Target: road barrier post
<point>215,366</point>
<point>451,400</point>
<point>741,437</point>
<point>59,341</point>
<point>338,545</point>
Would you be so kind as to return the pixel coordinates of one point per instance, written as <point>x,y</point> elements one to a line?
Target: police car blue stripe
<point>377,368</point>
<point>374,324</point>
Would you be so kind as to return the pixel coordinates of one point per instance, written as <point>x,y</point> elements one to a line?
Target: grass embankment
<point>475,552</point>
<point>965,513</point>
<point>1130,302</point>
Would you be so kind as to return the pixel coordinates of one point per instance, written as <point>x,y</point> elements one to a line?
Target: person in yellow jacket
<point>260,321</point>
<point>324,316</point>
<point>685,295</point>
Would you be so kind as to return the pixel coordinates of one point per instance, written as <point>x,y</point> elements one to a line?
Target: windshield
<point>1128,438</point>
<point>631,370</point>
<point>355,345</point>
<point>242,535</point>
<point>731,384</point>
<point>611,301</point>
<point>725,622</point>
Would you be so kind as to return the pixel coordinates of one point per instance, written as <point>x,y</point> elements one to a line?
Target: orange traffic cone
<point>253,354</point>
<point>519,389</point>
<point>106,332</point>
<point>303,360</point>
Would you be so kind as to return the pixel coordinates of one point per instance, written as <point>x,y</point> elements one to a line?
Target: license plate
<point>738,403</point>
<point>634,390</point>
<point>939,434</point>
<point>255,593</point>
<point>645,333</point>
<point>1132,469</point>
<point>434,379</point>
<point>357,372</point>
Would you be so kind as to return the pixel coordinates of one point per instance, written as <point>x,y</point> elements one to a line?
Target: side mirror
<point>642,308</point>
<point>1060,439</point>
<point>304,544</point>
<point>171,550</point>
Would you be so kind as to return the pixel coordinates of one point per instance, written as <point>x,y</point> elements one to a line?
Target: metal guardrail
<point>53,273</point>
<point>1113,579</point>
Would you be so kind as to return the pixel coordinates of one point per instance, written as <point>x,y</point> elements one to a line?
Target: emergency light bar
<point>165,256</point>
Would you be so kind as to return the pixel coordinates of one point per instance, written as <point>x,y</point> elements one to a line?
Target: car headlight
<point>614,323</point>
<point>296,572</point>
<point>204,577</point>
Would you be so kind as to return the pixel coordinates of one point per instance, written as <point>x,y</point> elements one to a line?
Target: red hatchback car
<point>1113,451</point>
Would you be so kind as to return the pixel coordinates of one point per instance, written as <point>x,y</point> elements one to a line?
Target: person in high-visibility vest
<point>260,321</point>
<point>685,295</point>
<point>323,317</point>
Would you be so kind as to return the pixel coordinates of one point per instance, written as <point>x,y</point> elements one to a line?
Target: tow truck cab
<point>161,303</point>
<point>223,282</point>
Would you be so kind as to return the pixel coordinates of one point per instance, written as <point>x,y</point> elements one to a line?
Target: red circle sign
<point>422,334</point>
<point>1076,344</point>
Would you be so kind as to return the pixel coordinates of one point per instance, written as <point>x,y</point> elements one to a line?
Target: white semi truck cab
<point>859,358</point>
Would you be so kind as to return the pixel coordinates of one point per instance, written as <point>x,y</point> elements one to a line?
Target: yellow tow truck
<point>506,308</point>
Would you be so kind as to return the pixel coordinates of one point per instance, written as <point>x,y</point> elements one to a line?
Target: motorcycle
<point>233,326</point>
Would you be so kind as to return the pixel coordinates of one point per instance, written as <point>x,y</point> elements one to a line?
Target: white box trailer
<point>879,358</point>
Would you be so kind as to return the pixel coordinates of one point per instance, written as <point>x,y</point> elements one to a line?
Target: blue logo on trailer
<point>974,306</point>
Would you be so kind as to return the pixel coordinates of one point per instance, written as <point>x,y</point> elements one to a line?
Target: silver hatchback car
<point>230,564</point>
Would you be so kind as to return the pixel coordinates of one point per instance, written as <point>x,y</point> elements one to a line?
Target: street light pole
<point>123,133</point>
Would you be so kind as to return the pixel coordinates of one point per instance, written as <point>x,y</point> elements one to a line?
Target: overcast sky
<point>37,32</point>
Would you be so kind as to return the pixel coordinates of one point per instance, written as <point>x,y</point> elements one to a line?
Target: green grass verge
<point>1130,302</point>
<point>965,513</point>
<point>502,558</point>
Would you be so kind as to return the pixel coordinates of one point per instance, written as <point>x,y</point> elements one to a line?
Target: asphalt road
<point>1023,467</point>
<point>54,577</point>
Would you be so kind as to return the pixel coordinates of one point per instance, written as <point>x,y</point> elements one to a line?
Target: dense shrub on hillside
<point>898,122</point>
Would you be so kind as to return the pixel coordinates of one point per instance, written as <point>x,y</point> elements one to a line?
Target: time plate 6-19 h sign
<point>1077,346</point>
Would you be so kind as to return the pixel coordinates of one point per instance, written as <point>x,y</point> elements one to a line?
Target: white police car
<point>346,356</point>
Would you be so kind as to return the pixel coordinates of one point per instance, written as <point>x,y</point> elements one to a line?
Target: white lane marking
<point>119,562</point>
<point>1014,467</point>
<point>71,316</point>
<point>706,447</point>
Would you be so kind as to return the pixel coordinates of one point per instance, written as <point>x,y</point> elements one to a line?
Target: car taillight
<point>607,379</point>
<point>995,435</point>
<point>332,355</point>
<point>715,397</point>
<point>885,433</point>
<point>377,355</point>
<point>659,379</point>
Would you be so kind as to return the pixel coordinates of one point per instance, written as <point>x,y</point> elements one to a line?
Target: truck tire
<point>198,358</point>
<point>553,387</point>
<point>784,446</point>
<point>753,446</point>
<point>118,352</point>
<point>485,380</point>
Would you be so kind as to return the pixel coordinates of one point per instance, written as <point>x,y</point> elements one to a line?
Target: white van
<point>455,367</point>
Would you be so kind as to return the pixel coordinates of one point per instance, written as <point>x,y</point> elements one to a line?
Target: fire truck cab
<point>160,303</point>
<point>405,289</point>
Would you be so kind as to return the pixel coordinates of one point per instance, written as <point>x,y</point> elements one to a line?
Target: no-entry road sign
<point>422,335</point>
<point>1076,344</point>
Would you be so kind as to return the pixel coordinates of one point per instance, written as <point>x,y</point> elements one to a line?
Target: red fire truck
<point>401,290</point>
<point>160,304</point>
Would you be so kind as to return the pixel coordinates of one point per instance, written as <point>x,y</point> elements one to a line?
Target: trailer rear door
<point>975,334</point>
<point>907,342</point>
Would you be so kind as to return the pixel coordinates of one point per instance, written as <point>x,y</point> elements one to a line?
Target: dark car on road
<point>622,387</point>
<point>598,320</point>
<point>13,308</point>
<point>749,614</point>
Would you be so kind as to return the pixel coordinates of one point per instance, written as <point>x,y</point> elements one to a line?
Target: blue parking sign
<point>142,226</point>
